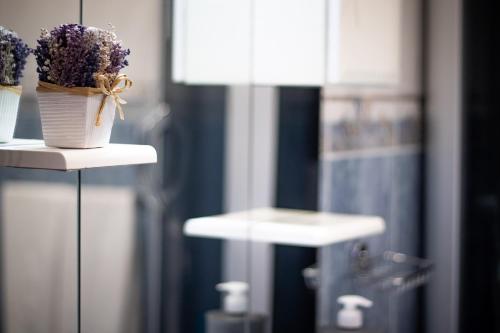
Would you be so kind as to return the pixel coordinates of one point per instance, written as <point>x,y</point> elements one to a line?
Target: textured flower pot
<point>69,120</point>
<point>9,104</point>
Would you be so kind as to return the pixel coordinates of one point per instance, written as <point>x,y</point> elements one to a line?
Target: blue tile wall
<point>373,167</point>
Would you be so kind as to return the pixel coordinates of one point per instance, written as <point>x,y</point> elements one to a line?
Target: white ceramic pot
<point>9,104</point>
<point>69,120</point>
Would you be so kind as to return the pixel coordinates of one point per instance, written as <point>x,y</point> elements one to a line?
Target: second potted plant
<point>13,54</point>
<point>79,85</point>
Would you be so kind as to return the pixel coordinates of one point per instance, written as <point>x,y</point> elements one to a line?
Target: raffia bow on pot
<point>112,90</point>
<point>104,87</point>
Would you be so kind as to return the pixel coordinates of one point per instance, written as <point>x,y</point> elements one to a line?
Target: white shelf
<point>33,154</point>
<point>285,226</point>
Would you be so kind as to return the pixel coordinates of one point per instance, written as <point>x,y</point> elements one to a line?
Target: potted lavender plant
<point>13,54</point>
<point>79,85</point>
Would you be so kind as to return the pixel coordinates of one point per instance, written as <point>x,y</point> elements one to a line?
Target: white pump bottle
<point>350,317</point>
<point>235,297</point>
<point>234,317</point>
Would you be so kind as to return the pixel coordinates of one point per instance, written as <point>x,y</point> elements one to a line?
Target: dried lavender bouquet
<point>72,55</point>
<point>13,54</point>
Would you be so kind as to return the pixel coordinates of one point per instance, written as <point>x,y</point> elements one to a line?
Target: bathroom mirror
<point>258,153</point>
<point>161,280</point>
<point>38,208</point>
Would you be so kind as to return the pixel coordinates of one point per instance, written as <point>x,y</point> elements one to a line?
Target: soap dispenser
<point>234,316</point>
<point>350,317</point>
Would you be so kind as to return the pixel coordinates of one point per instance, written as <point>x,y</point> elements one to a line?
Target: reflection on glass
<point>38,250</point>
<point>38,208</point>
<point>223,148</point>
<point>26,18</point>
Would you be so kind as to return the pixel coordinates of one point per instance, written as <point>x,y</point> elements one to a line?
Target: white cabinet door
<point>216,40</point>
<point>289,42</point>
<point>364,42</point>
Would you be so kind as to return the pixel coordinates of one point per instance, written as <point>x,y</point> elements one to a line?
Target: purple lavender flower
<point>73,55</point>
<point>13,54</point>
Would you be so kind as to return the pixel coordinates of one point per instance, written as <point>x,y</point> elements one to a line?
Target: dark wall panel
<point>480,280</point>
<point>297,181</point>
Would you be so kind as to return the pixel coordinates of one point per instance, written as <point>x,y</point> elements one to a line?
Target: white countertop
<point>33,154</point>
<point>286,226</point>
